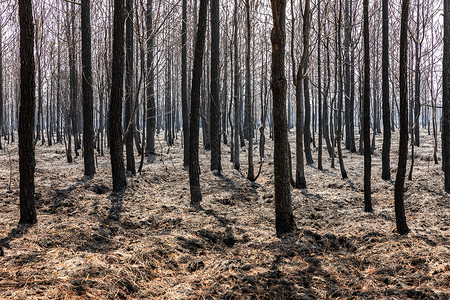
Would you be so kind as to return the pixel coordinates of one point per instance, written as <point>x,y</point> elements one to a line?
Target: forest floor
<point>149,243</point>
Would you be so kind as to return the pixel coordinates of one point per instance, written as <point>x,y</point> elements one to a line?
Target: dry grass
<point>148,242</point>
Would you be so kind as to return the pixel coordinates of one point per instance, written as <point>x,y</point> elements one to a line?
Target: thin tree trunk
<point>402,227</point>
<point>307,101</point>
<point>58,95</point>
<point>385,158</point>
<point>88,113</point>
<point>446,98</point>
<point>194,165</point>
<point>151,107</point>
<point>129,119</point>
<point>300,181</point>
<point>184,87</point>
<point>1,88</point>
<point>347,38</point>
<point>319,83</point>
<point>215,90</point>
<point>248,100</point>
<point>417,82</point>
<point>366,112</point>
<point>224,127</point>
<point>236,92</point>
<point>339,112</point>
<point>326,129</point>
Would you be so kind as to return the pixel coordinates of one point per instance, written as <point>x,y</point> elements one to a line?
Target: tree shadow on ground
<point>16,233</point>
<point>271,280</point>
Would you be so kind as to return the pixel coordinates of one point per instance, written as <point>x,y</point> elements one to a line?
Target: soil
<point>149,243</point>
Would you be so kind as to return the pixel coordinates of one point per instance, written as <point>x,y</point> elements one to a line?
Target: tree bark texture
<point>284,218</point>
<point>194,165</point>
<point>88,107</point>
<point>446,98</point>
<point>26,114</point>
<point>385,158</point>
<point>366,113</point>
<point>402,227</point>
<point>129,119</point>
<point>115,110</point>
<point>215,89</point>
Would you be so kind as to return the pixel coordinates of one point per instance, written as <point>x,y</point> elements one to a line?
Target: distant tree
<point>307,101</point>
<point>248,99</point>
<point>446,98</point>
<point>58,92</point>
<point>39,24</point>
<point>129,119</point>
<point>184,87</point>
<point>326,127</point>
<point>340,96</point>
<point>236,87</point>
<point>26,114</point>
<point>402,227</point>
<point>417,75</point>
<point>1,87</point>
<point>215,89</point>
<point>73,82</point>
<point>284,218</point>
<point>366,112</point>
<point>319,87</point>
<point>300,181</point>
<point>415,128</point>
<point>385,158</point>
<point>151,106</point>
<point>115,108</point>
<point>194,165</point>
<point>88,113</point>
<point>236,99</point>
<point>348,83</point>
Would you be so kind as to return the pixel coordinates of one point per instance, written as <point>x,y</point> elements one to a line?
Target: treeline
<point>100,75</point>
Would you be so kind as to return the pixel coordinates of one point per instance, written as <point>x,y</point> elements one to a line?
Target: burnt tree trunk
<point>73,83</point>
<point>417,82</point>
<point>347,38</point>
<point>129,120</point>
<point>284,218</point>
<point>194,165</point>
<point>446,98</point>
<point>402,227</point>
<point>307,101</point>
<point>319,84</point>
<point>1,89</point>
<point>88,110</point>
<point>215,89</point>
<point>236,92</point>
<point>26,114</point>
<point>248,99</point>
<point>326,128</point>
<point>340,104</point>
<point>151,107</point>
<point>115,108</point>
<point>385,158</point>
<point>184,87</point>
<point>300,181</point>
<point>366,112</point>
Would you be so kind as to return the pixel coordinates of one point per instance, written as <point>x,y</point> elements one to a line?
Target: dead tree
<point>284,218</point>
<point>402,227</point>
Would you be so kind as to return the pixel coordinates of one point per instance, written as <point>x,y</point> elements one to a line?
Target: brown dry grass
<point>148,242</point>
